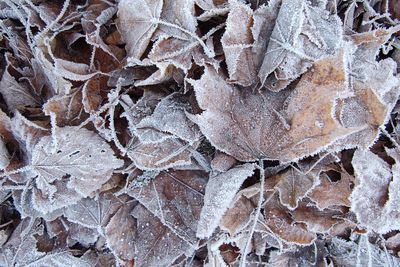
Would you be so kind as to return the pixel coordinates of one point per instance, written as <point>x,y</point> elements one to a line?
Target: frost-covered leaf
<point>181,14</point>
<point>28,133</point>
<point>220,192</point>
<point>313,255</point>
<point>168,153</point>
<point>317,221</point>
<point>302,35</point>
<point>136,25</point>
<point>363,253</point>
<point>286,126</point>
<point>21,250</point>
<point>293,185</point>
<point>156,244</point>
<point>94,212</point>
<point>78,234</point>
<point>222,162</point>
<point>72,70</point>
<point>176,198</point>
<point>374,199</point>
<point>70,169</point>
<point>329,193</point>
<point>67,108</point>
<point>168,120</point>
<point>245,38</point>
<point>120,233</point>
<point>237,217</point>
<point>279,222</point>
<point>17,95</point>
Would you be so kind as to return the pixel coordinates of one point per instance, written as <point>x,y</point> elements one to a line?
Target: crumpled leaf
<point>21,250</point>
<point>329,193</point>
<point>168,153</point>
<point>279,222</point>
<point>15,94</point>
<point>302,35</point>
<point>374,199</point>
<point>27,133</point>
<point>236,218</point>
<point>156,244</point>
<point>167,121</point>
<point>220,192</point>
<point>317,221</point>
<point>67,108</point>
<point>176,198</point>
<point>313,255</point>
<point>293,185</point>
<point>245,38</point>
<point>74,158</point>
<point>349,253</point>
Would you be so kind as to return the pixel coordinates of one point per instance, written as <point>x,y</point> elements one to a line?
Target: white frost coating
<point>220,192</point>
<point>79,165</point>
<point>375,200</point>
<point>4,155</point>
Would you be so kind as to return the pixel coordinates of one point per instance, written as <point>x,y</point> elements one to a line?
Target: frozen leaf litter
<point>199,133</point>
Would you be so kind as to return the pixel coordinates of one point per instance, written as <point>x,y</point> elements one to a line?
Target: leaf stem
<point>191,34</point>
<point>258,212</point>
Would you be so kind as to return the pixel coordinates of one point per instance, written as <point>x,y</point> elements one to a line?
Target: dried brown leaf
<point>176,198</point>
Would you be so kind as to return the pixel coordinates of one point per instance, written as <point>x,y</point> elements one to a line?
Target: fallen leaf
<point>176,198</point>
<point>220,192</point>
<point>156,244</point>
<point>373,199</point>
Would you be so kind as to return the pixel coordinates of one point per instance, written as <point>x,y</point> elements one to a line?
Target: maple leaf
<point>176,198</point>
<point>249,126</point>
<point>136,27</point>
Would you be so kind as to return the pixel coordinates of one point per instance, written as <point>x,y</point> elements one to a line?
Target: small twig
<point>257,214</point>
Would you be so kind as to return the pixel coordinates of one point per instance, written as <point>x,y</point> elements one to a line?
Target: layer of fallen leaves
<point>199,133</point>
